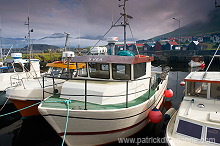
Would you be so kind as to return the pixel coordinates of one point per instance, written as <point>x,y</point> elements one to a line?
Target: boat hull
<point>195,64</point>
<point>31,111</point>
<point>96,127</point>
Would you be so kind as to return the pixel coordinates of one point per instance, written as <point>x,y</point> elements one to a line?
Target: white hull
<point>32,89</point>
<point>195,64</point>
<point>96,127</point>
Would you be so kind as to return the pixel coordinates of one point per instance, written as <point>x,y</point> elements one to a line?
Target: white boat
<point>111,99</point>
<point>17,68</point>
<point>30,92</point>
<point>197,121</point>
<point>196,63</point>
<point>108,103</point>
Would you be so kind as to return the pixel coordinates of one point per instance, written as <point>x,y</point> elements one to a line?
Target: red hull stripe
<point>105,132</point>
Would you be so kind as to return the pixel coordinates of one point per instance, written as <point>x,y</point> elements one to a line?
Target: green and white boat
<point>111,99</point>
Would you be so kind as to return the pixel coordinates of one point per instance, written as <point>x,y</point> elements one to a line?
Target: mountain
<point>42,47</point>
<point>211,26</point>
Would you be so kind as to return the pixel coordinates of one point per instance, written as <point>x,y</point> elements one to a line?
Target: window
<point>197,89</point>
<point>18,67</point>
<point>213,135</point>
<point>55,71</point>
<point>98,70</point>
<point>215,91</point>
<point>189,129</point>
<point>139,70</point>
<point>121,71</point>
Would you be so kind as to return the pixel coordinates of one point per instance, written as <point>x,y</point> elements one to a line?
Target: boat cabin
<point>201,84</point>
<point>198,118</point>
<point>20,65</point>
<point>60,69</point>
<point>112,67</point>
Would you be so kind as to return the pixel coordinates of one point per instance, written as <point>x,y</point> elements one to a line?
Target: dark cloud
<point>92,18</point>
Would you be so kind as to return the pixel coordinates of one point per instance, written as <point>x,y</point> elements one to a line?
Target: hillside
<point>197,28</point>
<point>42,47</point>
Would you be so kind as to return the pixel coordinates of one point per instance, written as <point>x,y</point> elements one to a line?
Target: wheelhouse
<point>113,67</point>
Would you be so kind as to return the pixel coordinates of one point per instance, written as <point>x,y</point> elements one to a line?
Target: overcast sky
<point>90,19</point>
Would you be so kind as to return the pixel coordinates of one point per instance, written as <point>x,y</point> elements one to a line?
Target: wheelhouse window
<point>55,71</point>
<point>139,70</point>
<point>197,89</point>
<point>121,71</point>
<point>18,67</point>
<point>189,129</point>
<point>99,70</point>
<point>65,73</point>
<point>213,135</point>
<point>215,91</point>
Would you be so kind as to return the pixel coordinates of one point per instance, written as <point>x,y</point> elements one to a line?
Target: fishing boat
<point>197,121</point>
<point>17,68</point>
<point>196,61</point>
<point>30,92</point>
<point>111,99</point>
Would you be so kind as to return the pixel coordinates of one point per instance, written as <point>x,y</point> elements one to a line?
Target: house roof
<point>196,42</point>
<point>173,43</point>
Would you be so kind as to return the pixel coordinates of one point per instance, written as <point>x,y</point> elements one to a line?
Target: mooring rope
<point>67,102</point>
<point>19,109</point>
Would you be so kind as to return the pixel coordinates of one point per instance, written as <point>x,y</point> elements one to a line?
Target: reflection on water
<point>36,131</point>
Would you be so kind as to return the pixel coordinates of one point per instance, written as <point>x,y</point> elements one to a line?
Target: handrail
<point>151,86</point>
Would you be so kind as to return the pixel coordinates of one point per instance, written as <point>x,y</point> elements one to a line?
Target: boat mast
<point>29,36</point>
<point>67,37</point>
<point>1,55</point>
<point>125,21</point>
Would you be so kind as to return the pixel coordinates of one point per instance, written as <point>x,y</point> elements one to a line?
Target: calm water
<point>35,131</point>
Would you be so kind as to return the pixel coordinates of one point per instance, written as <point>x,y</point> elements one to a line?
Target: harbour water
<point>35,131</point>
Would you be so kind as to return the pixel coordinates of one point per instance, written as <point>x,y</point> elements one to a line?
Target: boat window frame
<point>206,130</point>
<point>202,133</point>
<point>115,72</point>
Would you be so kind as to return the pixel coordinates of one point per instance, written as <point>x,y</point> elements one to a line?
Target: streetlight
<point>179,26</point>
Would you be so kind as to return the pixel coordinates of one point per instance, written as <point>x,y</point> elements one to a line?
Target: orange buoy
<point>155,115</point>
<point>168,93</point>
<point>182,83</point>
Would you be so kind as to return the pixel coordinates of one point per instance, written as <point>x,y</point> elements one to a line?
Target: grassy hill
<point>198,28</point>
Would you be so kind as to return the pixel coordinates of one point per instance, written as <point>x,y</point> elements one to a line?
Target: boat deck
<point>56,102</point>
<point>200,110</point>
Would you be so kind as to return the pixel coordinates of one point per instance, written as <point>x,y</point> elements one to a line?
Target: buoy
<point>203,65</point>
<point>155,115</point>
<point>168,93</point>
<point>182,83</point>
<point>169,113</point>
<point>167,105</point>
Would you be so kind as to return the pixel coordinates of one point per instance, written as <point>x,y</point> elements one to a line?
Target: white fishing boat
<point>111,99</point>
<point>17,68</point>
<point>197,61</point>
<point>196,64</point>
<point>32,91</point>
<point>197,121</point>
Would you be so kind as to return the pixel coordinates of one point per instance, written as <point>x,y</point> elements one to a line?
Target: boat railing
<point>154,83</point>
